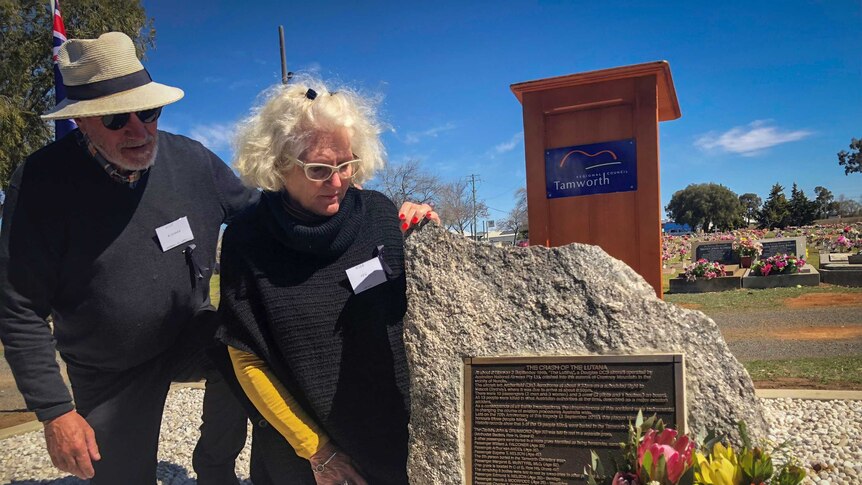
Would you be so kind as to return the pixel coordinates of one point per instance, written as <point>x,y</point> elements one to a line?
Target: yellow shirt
<point>272,400</point>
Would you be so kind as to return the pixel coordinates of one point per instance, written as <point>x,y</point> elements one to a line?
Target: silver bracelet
<point>321,467</point>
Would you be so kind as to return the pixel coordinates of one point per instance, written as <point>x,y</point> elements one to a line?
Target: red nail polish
<point>428,215</point>
<point>404,226</point>
<point>415,220</point>
<point>402,216</point>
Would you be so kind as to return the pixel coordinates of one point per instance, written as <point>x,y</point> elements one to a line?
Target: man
<point>112,231</point>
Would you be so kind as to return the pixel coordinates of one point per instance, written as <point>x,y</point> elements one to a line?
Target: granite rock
<point>469,299</point>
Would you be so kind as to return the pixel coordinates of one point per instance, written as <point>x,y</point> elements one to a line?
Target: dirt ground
<point>821,300</point>
<point>811,325</point>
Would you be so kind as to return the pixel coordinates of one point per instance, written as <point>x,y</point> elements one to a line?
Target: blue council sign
<point>599,168</point>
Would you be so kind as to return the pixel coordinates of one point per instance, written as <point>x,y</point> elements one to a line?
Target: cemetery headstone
<point>715,251</point>
<point>784,245</point>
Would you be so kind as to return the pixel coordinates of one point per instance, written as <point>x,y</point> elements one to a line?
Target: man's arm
<point>29,265</point>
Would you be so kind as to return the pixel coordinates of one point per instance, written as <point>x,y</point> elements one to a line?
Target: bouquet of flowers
<point>748,247</point>
<point>778,264</point>
<point>656,455</point>
<point>703,269</point>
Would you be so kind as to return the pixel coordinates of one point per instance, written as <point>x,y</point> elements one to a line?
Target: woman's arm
<point>269,396</point>
<point>278,406</point>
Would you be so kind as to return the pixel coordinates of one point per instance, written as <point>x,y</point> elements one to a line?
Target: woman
<point>318,349</point>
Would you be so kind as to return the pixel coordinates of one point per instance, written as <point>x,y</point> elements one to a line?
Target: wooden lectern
<point>577,129</point>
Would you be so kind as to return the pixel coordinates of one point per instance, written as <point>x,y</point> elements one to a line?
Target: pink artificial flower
<point>677,452</point>
<point>766,269</point>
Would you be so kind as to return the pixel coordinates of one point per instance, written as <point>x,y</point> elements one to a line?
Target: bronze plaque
<point>531,420</point>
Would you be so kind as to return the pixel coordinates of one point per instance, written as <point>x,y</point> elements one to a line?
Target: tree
<point>825,204</point>
<point>26,71</point>
<point>750,205</point>
<point>706,207</point>
<point>776,210</point>
<point>852,160</point>
<point>455,207</point>
<point>802,211</point>
<point>517,221</point>
<point>407,181</point>
<point>848,207</point>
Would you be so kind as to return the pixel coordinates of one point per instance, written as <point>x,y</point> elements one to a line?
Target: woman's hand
<point>332,467</point>
<point>412,214</point>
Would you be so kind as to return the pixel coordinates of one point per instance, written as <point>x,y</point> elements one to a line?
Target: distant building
<point>673,228</point>
<point>498,238</point>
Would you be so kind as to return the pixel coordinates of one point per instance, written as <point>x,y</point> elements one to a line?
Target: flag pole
<point>285,75</point>
<point>61,127</point>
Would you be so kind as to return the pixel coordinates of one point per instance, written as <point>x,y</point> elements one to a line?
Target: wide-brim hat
<point>104,76</point>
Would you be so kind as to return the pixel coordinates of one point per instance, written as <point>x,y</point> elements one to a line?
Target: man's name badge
<point>366,275</point>
<point>175,233</point>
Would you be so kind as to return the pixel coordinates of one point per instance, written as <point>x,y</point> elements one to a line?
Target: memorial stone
<point>473,300</point>
<point>715,251</point>
<point>785,245</point>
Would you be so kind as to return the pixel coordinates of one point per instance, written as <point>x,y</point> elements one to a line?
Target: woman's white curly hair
<point>281,127</point>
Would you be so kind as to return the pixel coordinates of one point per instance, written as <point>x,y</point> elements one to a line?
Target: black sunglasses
<point>117,121</point>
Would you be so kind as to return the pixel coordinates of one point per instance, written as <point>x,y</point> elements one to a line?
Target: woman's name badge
<point>366,275</point>
<point>175,233</point>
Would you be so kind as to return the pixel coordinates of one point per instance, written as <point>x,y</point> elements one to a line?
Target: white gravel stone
<point>792,421</point>
<point>820,435</point>
<point>25,459</point>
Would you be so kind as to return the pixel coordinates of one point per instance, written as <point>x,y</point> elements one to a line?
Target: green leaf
<point>687,477</point>
<point>646,466</point>
<point>743,434</point>
<point>790,475</point>
<point>596,463</point>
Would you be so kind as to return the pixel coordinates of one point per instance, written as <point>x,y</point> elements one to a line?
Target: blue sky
<point>769,91</point>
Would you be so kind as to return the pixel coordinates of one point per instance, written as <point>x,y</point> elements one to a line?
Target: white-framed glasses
<point>321,172</point>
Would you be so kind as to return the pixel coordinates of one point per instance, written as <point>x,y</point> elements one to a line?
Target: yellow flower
<point>720,468</point>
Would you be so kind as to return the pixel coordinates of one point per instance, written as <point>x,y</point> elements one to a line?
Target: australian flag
<point>61,127</point>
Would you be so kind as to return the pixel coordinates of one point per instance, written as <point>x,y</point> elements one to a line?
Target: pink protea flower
<point>677,453</point>
<point>625,479</point>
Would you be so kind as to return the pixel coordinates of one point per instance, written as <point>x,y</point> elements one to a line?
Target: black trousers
<point>125,410</point>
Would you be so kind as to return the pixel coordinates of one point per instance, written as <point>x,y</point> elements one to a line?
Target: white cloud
<point>242,83</point>
<point>417,136</point>
<point>510,145</point>
<point>749,140</point>
<point>215,137</point>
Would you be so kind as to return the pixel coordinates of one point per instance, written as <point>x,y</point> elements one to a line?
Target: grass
<point>745,299</point>
<point>824,370</point>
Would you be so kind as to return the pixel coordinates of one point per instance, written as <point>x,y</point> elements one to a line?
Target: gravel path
<point>25,461</point>
<point>825,433</point>
<point>791,333</point>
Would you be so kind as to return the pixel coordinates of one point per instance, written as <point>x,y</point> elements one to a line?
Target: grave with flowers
<point>840,259</point>
<point>780,270</point>
<point>705,276</point>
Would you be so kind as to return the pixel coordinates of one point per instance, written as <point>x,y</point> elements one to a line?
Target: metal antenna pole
<point>285,76</point>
